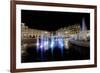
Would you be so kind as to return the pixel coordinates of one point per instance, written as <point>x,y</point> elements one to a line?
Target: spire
<point>83,28</point>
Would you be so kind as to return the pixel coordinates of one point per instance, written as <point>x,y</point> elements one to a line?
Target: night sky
<point>51,21</point>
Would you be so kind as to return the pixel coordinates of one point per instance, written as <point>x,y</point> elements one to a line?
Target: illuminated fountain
<point>52,44</point>
<point>41,47</point>
<point>43,44</point>
<point>61,44</point>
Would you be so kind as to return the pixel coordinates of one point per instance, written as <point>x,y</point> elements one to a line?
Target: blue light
<point>61,44</point>
<point>42,47</point>
<point>37,44</point>
<point>44,43</point>
<point>52,43</point>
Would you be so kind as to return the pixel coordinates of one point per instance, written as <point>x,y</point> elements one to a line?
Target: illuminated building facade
<point>29,33</point>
